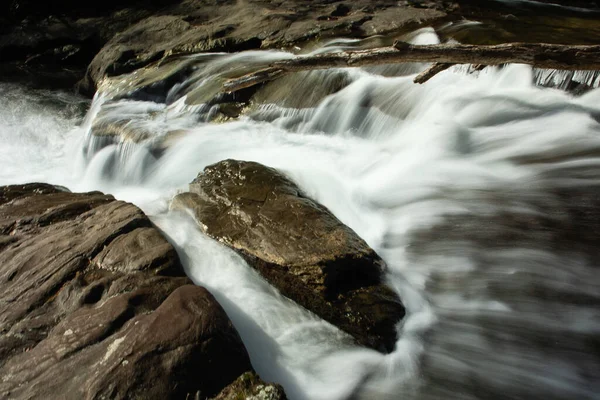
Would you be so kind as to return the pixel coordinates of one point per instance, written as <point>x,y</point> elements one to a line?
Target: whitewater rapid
<point>480,191</point>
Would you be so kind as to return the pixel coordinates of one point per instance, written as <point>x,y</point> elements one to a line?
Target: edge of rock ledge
<point>94,303</point>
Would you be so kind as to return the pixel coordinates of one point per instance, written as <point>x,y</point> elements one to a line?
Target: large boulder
<point>94,304</point>
<point>297,245</point>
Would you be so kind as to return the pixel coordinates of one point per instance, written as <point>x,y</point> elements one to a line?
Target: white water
<point>469,187</point>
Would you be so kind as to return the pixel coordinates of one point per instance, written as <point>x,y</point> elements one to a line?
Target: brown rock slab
<point>297,245</point>
<point>94,304</point>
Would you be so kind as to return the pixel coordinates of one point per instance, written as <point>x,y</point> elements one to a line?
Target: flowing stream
<point>481,191</point>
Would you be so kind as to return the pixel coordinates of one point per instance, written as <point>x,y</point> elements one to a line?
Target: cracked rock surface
<point>94,304</point>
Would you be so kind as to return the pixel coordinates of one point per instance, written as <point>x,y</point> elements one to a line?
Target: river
<point>481,191</point>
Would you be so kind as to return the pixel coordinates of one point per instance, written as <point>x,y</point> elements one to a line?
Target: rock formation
<point>249,387</point>
<point>94,304</point>
<point>55,45</point>
<point>298,246</point>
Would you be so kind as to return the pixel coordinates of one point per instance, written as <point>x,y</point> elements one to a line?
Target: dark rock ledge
<point>60,42</point>
<point>94,304</point>
<point>298,246</point>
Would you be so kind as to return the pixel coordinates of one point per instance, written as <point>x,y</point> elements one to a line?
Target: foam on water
<point>39,134</point>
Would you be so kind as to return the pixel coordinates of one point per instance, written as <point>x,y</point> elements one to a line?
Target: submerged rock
<point>94,304</point>
<point>297,245</point>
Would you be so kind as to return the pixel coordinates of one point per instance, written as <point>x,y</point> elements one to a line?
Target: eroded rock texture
<point>94,304</point>
<point>298,246</point>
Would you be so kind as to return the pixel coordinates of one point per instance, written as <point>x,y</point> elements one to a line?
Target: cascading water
<point>480,191</point>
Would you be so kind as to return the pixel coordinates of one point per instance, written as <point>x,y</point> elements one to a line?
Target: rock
<point>58,43</point>
<point>311,87</point>
<point>51,44</point>
<point>202,26</point>
<point>94,304</point>
<point>54,44</point>
<point>298,246</point>
<point>250,387</point>
<point>10,193</point>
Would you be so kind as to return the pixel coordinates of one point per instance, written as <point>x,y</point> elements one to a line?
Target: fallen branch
<point>431,72</point>
<point>541,55</point>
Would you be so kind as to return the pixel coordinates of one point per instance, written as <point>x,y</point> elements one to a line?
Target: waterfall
<point>480,190</point>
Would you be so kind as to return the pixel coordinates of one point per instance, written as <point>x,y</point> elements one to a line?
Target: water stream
<point>481,191</point>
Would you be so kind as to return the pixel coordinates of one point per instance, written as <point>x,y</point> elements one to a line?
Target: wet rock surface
<point>94,304</point>
<point>120,37</point>
<point>298,246</point>
<point>200,26</point>
<point>250,387</point>
<point>57,44</point>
